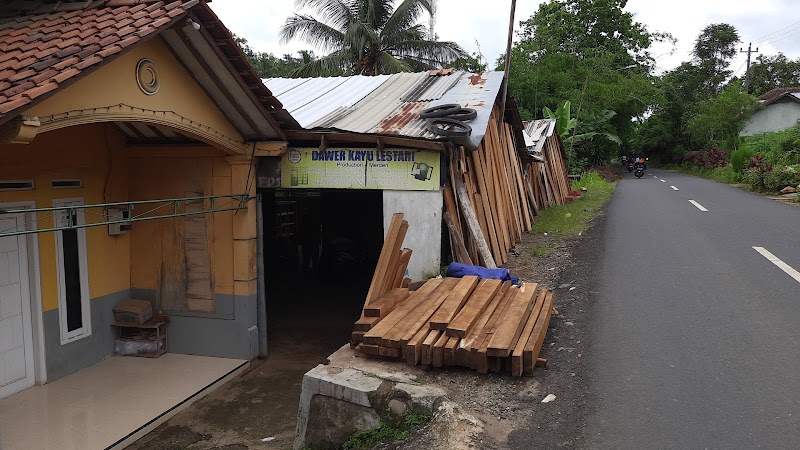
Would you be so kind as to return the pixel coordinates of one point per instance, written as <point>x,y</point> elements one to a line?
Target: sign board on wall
<point>358,168</point>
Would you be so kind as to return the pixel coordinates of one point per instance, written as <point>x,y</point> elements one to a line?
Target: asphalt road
<point>696,335</point>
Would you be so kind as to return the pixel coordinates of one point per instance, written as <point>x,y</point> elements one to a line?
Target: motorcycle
<point>639,169</point>
<point>630,165</point>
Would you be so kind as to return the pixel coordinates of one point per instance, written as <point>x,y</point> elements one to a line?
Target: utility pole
<point>747,71</point>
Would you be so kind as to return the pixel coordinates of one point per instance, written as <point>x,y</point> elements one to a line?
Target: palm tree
<point>368,37</point>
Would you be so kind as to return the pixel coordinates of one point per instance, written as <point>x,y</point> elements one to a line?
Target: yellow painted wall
<point>116,83</point>
<point>154,244</point>
<point>92,153</point>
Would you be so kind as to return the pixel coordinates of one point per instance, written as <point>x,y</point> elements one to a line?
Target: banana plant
<point>565,124</point>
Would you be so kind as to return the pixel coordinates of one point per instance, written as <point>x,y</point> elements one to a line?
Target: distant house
<point>781,111</point>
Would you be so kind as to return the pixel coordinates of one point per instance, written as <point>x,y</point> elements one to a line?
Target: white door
<point>16,337</point>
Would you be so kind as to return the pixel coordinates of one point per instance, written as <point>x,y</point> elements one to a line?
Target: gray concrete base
<point>352,394</point>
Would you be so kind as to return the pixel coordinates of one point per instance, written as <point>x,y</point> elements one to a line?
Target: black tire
<point>464,115</point>
<point>449,127</point>
<point>440,111</point>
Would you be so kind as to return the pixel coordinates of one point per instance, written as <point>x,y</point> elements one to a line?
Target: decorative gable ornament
<point>147,76</point>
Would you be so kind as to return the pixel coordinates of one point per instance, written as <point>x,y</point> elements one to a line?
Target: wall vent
<point>15,185</point>
<point>66,184</point>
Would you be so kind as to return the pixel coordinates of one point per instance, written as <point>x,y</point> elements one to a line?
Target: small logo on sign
<point>294,156</point>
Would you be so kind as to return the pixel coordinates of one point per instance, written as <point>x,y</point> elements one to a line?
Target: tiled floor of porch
<point>111,404</point>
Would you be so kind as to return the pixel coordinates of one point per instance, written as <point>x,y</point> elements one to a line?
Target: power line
<point>773,41</point>
<point>779,36</point>
<point>766,36</point>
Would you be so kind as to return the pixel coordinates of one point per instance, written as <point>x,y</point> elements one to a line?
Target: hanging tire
<point>449,127</point>
<point>464,115</point>
<point>440,111</point>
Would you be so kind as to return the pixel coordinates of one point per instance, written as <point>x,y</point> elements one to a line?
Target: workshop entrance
<point>320,250</point>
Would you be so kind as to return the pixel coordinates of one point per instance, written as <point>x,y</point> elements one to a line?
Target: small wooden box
<point>135,312</point>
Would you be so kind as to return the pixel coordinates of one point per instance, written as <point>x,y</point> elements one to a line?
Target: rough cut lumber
<point>393,337</point>
<point>438,350</point>
<point>392,240</point>
<point>486,192</point>
<point>374,335</point>
<point>394,262</point>
<point>479,356</point>
<point>459,250</point>
<point>534,345</point>
<point>382,306</point>
<point>516,356</point>
<point>405,330</point>
<point>413,349</point>
<point>511,325</point>
<point>389,352</point>
<point>454,302</point>
<point>402,265</point>
<point>463,353</point>
<point>479,301</point>
<point>450,351</point>
<point>427,347</point>
<point>472,224</point>
<point>366,323</point>
<point>371,350</point>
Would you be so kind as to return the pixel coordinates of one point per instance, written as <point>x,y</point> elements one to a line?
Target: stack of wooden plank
<point>389,274</point>
<point>548,178</point>
<point>487,325</point>
<point>488,204</point>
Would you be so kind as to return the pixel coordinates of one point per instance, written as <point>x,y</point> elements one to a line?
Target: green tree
<point>473,63</point>
<point>771,72</point>
<point>268,65</point>
<point>579,27</point>
<point>368,37</point>
<point>719,119</point>
<point>593,54</point>
<point>713,51</point>
<point>683,90</point>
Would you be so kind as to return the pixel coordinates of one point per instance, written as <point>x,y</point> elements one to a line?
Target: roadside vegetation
<point>764,163</point>
<point>571,219</point>
<point>386,433</point>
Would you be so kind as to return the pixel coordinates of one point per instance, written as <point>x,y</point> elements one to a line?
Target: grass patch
<point>367,439</point>
<point>544,250</point>
<point>573,218</point>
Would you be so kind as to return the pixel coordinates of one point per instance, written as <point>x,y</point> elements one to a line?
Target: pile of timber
<point>487,325</point>
<point>549,180</point>
<point>495,195</point>
<point>488,207</point>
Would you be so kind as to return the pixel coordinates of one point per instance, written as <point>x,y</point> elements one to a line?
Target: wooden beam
<point>336,137</point>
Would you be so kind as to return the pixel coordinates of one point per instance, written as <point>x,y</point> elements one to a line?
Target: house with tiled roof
<point>780,111</point>
<point>128,133</point>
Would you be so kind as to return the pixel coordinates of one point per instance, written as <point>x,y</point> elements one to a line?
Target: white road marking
<point>674,188</point>
<point>781,265</point>
<point>699,206</point>
<point>663,181</point>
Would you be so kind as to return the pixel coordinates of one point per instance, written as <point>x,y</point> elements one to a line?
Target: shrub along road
<point>694,332</point>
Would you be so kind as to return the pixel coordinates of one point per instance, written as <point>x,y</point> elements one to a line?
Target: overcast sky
<point>772,25</point>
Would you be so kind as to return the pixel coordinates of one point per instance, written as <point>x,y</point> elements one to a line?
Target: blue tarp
<point>458,270</point>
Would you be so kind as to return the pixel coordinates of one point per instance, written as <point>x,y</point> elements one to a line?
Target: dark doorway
<point>320,250</point>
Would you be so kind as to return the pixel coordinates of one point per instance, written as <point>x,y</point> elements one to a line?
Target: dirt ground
<point>263,402</point>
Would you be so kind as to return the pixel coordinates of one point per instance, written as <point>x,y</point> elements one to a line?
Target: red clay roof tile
<point>46,44</point>
<point>40,90</point>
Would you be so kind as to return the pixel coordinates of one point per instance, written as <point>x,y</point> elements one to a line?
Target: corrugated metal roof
<point>378,104</point>
<point>389,104</point>
<point>536,134</point>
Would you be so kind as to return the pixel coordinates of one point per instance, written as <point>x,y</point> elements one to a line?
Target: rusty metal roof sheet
<point>387,105</point>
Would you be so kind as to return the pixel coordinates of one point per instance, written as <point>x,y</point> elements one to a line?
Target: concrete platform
<point>111,404</point>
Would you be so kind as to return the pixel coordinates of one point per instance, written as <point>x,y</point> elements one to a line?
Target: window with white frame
<point>73,277</point>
